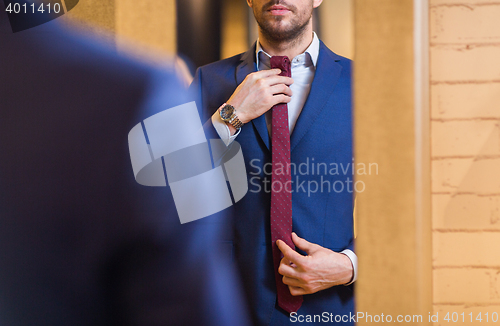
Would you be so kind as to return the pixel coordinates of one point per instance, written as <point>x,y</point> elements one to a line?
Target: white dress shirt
<point>303,70</point>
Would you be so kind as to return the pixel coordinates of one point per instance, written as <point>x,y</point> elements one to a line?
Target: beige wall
<point>145,27</point>
<point>465,108</point>
<point>150,23</point>
<point>393,240</point>
<point>234,28</point>
<point>94,17</point>
<point>337,26</point>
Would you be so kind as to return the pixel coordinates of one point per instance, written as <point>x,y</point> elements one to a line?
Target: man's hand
<point>321,269</point>
<point>259,92</point>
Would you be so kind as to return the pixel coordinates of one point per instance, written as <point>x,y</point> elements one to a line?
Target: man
<point>306,141</point>
<point>81,243</point>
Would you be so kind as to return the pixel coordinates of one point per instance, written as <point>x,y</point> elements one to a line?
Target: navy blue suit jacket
<point>81,242</point>
<point>321,154</point>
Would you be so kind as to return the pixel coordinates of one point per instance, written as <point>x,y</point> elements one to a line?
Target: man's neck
<point>291,48</point>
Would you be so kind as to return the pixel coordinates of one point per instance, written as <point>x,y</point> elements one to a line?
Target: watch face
<point>226,112</point>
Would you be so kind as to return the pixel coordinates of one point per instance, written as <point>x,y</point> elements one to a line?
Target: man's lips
<point>278,10</point>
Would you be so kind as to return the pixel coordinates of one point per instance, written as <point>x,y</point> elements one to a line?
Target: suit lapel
<point>326,77</point>
<point>247,66</point>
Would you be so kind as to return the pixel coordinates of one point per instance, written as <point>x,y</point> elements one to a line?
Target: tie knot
<point>283,63</point>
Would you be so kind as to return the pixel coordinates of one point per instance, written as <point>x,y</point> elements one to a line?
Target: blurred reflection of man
<point>81,243</point>
<point>243,97</point>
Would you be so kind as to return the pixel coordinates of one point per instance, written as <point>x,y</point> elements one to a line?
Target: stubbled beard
<point>277,35</point>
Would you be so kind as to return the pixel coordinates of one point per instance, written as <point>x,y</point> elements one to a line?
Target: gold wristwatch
<point>227,113</point>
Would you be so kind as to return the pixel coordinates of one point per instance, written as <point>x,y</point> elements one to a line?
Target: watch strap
<point>233,120</point>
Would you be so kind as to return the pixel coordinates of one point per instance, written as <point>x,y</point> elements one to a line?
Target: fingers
<point>281,94</point>
<point>303,244</point>
<point>268,78</point>
<point>285,261</point>
<point>286,269</point>
<point>295,291</point>
<point>290,281</point>
<point>281,89</point>
<point>276,80</point>
<point>289,253</point>
<point>265,73</point>
<point>280,99</point>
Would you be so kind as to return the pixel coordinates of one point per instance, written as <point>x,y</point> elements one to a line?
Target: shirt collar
<point>312,51</point>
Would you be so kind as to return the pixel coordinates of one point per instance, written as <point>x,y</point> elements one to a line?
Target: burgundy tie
<point>281,196</point>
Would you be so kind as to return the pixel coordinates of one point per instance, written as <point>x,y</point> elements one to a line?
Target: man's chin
<point>281,34</point>
<point>279,27</point>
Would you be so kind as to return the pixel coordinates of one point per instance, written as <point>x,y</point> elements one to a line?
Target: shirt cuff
<point>223,130</point>
<point>354,261</point>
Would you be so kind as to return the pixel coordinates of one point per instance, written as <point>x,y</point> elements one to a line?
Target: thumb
<point>303,244</point>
